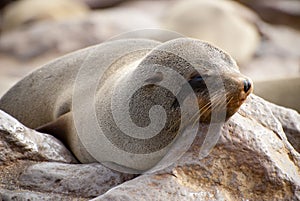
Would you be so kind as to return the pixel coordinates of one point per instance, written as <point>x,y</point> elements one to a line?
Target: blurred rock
<point>252,161</point>
<point>278,56</point>
<point>222,23</point>
<point>283,12</point>
<point>67,36</point>
<point>4,3</point>
<point>279,40</point>
<point>25,12</point>
<point>284,91</point>
<point>96,4</point>
<point>155,9</point>
<point>275,68</point>
<point>25,48</point>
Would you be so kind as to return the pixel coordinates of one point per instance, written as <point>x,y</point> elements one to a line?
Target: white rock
<point>19,142</point>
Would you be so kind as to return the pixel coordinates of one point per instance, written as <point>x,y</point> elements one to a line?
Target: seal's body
<point>73,96</point>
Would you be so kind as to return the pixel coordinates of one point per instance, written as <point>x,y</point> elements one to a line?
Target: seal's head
<point>218,90</point>
<point>212,75</point>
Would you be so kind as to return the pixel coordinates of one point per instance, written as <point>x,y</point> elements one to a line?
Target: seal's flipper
<point>58,127</point>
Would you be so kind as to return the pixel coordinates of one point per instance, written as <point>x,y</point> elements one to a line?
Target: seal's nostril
<point>247,85</point>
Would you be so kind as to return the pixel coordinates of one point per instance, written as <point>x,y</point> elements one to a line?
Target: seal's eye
<point>196,82</point>
<point>198,78</point>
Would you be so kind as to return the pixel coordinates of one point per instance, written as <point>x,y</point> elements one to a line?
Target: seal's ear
<point>155,78</point>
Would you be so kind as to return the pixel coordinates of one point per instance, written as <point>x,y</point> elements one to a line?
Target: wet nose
<point>247,85</point>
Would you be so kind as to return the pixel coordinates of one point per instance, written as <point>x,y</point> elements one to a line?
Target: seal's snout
<point>246,88</point>
<point>238,88</point>
<point>247,85</point>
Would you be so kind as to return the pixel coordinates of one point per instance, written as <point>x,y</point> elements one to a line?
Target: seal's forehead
<point>196,53</point>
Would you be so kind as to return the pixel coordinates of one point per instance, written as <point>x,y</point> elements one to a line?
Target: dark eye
<point>197,82</point>
<point>198,78</point>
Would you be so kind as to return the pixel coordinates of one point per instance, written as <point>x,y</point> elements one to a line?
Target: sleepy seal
<point>124,102</point>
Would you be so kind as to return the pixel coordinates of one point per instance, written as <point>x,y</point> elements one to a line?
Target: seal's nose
<point>247,85</point>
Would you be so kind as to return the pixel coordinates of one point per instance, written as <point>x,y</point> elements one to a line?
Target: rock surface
<point>82,180</point>
<point>18,142</point>
<point>284,12</point>
<point>29,195</point>
<point>36,166</point>
<point>254,159</point>
<point>290,123</point>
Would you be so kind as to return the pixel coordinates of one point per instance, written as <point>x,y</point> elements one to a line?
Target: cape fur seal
<point>101,100</point>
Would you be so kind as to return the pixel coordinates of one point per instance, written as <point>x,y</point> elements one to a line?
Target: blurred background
<point>263,36</point>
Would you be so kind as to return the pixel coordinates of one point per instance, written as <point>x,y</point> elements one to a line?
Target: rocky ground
<point>256,158</point>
